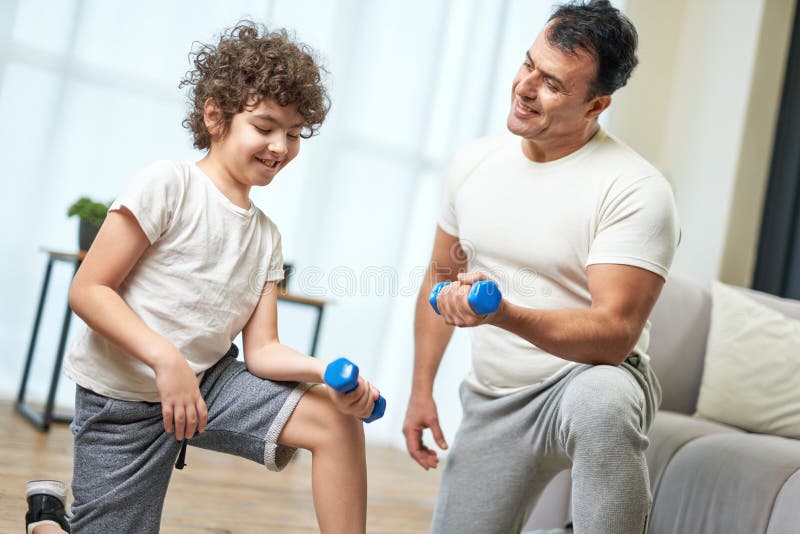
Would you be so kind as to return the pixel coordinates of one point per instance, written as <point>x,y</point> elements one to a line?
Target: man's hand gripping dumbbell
<point>466,302</point>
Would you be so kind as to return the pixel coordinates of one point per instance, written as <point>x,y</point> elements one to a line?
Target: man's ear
<point>212,117</point>
<point>597,105</point>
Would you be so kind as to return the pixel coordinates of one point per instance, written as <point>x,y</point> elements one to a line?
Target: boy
<point>182,264</point>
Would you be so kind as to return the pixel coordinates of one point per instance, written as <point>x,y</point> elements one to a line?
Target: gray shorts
<point>123,458</point>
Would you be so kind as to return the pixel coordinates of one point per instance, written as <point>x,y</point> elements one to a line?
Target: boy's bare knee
<point>316,423</point>
<point>340,429</point>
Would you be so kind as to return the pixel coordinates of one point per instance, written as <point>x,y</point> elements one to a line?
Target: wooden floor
<point>217,493</point>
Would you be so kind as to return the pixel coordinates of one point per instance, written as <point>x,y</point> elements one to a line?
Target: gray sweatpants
<point>124,458</point>
<point>592,418</point>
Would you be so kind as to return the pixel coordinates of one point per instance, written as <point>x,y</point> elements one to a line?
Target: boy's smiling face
<point>260,141</point>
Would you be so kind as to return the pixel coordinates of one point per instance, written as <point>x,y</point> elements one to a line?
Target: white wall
<point>702,107</point>
<point>755,155</point>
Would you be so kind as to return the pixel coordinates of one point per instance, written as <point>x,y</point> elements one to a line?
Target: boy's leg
<point>267,421</point>
<point>338,469</point>
<point>604,416</point>
<point>122,465</point>
<point>503,456</point>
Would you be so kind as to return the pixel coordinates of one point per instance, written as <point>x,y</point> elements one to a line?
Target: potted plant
<point>91,214</point>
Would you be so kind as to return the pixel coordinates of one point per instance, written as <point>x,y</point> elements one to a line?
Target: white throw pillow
<point>752,368</point>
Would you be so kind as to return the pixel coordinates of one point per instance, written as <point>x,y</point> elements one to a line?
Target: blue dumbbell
<point>483,298</point>
<point>342,375</point>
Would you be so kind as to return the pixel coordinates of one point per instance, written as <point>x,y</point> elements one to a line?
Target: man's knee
<point>603,401</point>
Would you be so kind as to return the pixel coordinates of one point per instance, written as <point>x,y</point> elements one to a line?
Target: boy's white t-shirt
<point>536,227</point>
<point>196,285</point>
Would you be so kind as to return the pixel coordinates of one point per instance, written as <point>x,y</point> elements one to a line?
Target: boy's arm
<point>266,357</point>
<point>93,297</point>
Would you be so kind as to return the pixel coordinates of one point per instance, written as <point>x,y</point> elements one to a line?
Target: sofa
<point>706,477</point>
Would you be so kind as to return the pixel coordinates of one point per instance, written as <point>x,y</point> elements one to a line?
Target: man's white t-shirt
<point>536,227</point>
<point>196,285</point>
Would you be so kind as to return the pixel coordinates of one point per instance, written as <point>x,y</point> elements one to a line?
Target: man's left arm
<point>605,333</point>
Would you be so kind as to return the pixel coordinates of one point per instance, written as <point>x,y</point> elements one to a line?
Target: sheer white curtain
<point>88,94</point>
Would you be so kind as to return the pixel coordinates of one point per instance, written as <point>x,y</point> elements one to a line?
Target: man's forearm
<point>431,336</point>
<point>580,335</point>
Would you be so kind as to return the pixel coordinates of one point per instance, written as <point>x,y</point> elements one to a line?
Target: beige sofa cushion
<point>751,378</point>
<point>678,336</point>
<point>727,483</point>
<point>670,432</point>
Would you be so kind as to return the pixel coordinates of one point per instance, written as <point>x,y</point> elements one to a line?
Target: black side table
<point>43,420</point>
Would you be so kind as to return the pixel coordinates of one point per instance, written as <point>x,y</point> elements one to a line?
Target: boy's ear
<point>212,116</point>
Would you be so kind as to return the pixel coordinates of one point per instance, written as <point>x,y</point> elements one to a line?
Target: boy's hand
<point>359,402</point>
<point>181,402</point>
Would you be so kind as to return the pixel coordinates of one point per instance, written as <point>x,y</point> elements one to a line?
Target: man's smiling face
<point>548,97</point>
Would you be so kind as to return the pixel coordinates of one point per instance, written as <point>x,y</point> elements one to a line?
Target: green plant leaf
<point>91,211</point>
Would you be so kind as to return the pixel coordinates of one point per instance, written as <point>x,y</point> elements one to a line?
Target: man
<point>579,232</point>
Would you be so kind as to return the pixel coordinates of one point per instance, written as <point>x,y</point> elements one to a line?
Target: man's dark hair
<point>600,29</point>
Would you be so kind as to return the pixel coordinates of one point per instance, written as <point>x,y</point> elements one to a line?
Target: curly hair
<point>602,30</point>
<point>250,64</point>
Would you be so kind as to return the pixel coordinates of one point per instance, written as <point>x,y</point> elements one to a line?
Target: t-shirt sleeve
<point>447,215</point>
<point>152,196</point>
<point>638,225</point>
<point>275,267</point>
